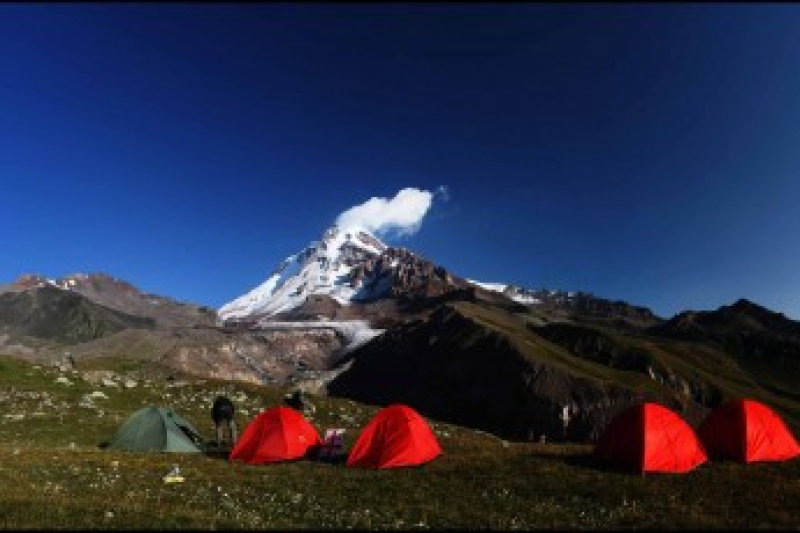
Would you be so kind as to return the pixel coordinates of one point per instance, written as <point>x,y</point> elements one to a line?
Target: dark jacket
<point>222,409</point>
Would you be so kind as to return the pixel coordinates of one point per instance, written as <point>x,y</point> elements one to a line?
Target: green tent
<point>156,429</point>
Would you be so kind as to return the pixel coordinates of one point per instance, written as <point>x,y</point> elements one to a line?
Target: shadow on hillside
<point>592,462</point>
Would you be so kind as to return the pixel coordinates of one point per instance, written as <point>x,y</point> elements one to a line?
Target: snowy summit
<point>323,267</point>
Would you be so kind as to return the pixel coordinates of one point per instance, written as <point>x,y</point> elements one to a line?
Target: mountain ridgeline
<point>51,313</point>
<point>120,295</point>
<point>352,317</point>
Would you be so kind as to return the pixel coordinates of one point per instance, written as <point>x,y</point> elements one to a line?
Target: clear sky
<point>649,153</point>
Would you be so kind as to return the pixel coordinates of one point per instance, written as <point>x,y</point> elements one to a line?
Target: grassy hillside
<point>713,373</point>
<point>510,372</point>
<point>53,474</point>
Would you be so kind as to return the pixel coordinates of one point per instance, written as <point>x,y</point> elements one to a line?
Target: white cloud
<point>403,213</point>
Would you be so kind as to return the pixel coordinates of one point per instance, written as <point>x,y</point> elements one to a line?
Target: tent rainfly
<point>156,429</point>
<point>276,434</point>
<point>649,437</point>
<point>747,431</point>
<point>396,436</point>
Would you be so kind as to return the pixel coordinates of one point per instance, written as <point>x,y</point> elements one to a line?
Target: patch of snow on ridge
<point>512,292</point>
<point>496,287</point>
<point>525,299</point>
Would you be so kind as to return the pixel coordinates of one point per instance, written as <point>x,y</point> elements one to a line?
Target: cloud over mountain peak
<point>403,213</point>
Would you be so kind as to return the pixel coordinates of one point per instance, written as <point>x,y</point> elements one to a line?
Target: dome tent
<point>747,431</point>
<point>396,436</point>
<point>156,429</point>
<point>276,434</point>
<point>649,437</point>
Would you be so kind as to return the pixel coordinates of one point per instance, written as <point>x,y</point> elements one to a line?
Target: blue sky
<point>648,153</point>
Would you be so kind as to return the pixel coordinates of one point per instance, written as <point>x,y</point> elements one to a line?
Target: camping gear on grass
<point>747,431</point>
<point>174,475</point>
<point>156,429</point>
<point>396,436</point>
<point>649,437</point>
<point>332,444</point>
<point>277,434</point>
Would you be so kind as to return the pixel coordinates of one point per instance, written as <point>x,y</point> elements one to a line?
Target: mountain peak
<point>745,309</point>
<point>323,267</point>
<point>743,303</point>
<point>357,234</point>
<point>350,265</point>
<point>746,306</point>
<point>741,316</point>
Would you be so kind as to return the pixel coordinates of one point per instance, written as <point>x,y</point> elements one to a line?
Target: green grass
<point>53,475</point>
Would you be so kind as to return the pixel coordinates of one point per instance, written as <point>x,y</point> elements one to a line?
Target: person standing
<point>223,414</point>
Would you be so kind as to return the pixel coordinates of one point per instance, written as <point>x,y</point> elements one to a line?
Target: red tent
<point>649,437</point>
<point>277,434</point>
<point>747,431</point>
<point>396,436</point>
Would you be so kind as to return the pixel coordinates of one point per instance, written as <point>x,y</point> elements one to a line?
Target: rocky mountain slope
<point>57,315</point>
<point>118,294</point>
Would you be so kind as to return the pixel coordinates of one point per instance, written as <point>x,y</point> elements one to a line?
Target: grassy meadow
<point>54,474</point>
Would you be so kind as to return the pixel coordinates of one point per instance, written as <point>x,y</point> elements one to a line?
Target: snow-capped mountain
<point>350,265</point>
<point>324,267</point>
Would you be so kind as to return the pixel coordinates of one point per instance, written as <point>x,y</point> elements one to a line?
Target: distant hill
<point>764,342</point>
<point>53,314</point>
<point>118,294</point>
